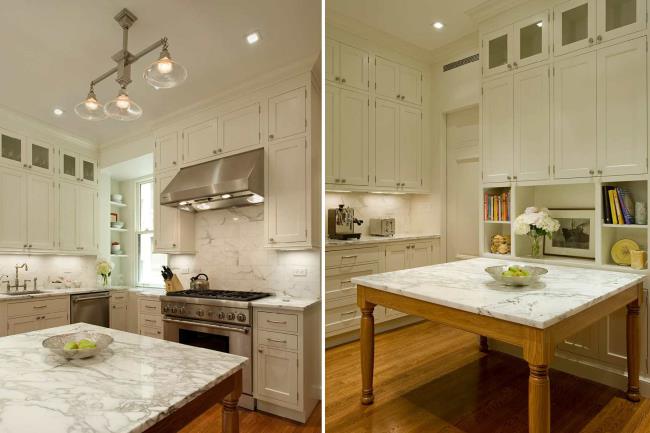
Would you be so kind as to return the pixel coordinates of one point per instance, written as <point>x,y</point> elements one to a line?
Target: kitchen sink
<point>23,292</point>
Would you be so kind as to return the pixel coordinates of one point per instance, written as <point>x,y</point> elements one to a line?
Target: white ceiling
<point>410,20</point>
<point>131,168</point>
<point>52,49</point>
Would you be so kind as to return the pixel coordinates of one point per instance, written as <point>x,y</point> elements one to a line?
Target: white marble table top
<point>465,285</point>
<point>136,382</point>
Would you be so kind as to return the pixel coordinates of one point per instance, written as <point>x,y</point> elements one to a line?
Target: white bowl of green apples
<point>516,275</point>
<point>78,345</point>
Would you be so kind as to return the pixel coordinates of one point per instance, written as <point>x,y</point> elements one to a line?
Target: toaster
<point>382,226</point>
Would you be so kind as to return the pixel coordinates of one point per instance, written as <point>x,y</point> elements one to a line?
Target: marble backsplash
<point>230,250</point>
<point>412,213</point>
<point>45,267</point>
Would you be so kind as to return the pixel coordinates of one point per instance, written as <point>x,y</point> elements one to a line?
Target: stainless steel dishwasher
<point>90,308</point>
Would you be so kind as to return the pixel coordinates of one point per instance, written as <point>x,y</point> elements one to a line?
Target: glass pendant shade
<point>123,108</point>
<point>165,73</point>
<point>90,109</point>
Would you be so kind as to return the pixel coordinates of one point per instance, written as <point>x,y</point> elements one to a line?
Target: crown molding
<point>491,8</point>
<point>468,44</point>
<point>34,128</point>
<point>302,66</point>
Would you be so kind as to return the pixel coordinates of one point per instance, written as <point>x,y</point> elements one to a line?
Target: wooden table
<point>434,293</point>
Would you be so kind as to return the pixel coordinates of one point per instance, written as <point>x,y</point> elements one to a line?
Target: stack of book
<point>496,207</point>
<point>618,206</point>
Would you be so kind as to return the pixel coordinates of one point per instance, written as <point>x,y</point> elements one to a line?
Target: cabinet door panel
<point>67,216</point>
<point>396,257</point>
<point>353,67</point>
<point>575,116</point>
<point>166,220</point>
<point>532,127</point>
<point>52,320</point>
<point>387,140</point>
<point>200,141</point>
<point>117,317</point>
<point>167,152</point>
<point>69,165</point>
<point>620,17</point>
<point>332,95</point>
<point>353,142</point>
<point>386,78</point>
<point>575,26</point>
<point>13,213</point>
<point>287,191</point>
<point>239,129</point>
<point>86,219</point>
<point>88,170</point>
<point>584,342</point>
<point>12,151</point>
<point>622,108</point>
<point>410,148</point>
<point>20,325</point>
<point>287,114</point>
<point>497,129</point>
<point>531,40</point>
<point>496,52</point>
<point>41,157</point>
<point>277,375</point>
<point>40,212</point>
<point>410,85</point>
<point>331,60</point>
<point>420,255</point>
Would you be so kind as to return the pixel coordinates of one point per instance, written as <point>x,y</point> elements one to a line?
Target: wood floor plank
<point>432,378</point>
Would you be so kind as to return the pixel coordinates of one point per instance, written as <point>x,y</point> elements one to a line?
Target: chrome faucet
<point>17,284</point>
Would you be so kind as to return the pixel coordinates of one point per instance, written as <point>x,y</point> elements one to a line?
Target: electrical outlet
<point>299,271</point>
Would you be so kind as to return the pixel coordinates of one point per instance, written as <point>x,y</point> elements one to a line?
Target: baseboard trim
<point>295,415</point>
<point>347,337</point>
<point>590,370</point>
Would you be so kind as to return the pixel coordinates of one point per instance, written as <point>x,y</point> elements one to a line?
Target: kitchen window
<point>149,263</point>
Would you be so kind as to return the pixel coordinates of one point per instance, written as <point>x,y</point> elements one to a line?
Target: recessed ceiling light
<point>438,25</point>
<point>58,112</point>
<point>253,38</point>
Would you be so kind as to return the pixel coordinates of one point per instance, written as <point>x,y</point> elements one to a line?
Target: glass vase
<point>536,246</point>
<point>104,281</point>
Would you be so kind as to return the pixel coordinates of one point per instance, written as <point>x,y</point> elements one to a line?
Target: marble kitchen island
<point>536,318</point>
<point>138,384</point>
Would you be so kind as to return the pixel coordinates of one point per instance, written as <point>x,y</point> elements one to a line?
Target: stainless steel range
<point>214,319</point>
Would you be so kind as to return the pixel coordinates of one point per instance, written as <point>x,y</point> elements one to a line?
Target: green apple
<point>70,345</point>
<point>86,344</point>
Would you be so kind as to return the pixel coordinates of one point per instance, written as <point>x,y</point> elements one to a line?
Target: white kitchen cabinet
<point>350,146</point>
<point>78,207</point>
<point>421,254</point>
<point>616,18</point>
<point>497,51</point>
<point>27,316</point>
<point>497,129</point>
<point>408,255</point>
<point>200,142</point>
<point>173,228</point>
<point>331,131</point>
<point>166,151</point>
<point>574,26</point>
<point>575,116</point>
<point>240,129</point>
<point>52,320</point>
<point>76,167</point>
<point>387,143</point>
<point>532,124</point>
<point>118,312</point>
<point>288,114</point>
<point>622,108</point>
<point>346,65</point>
<point>41,212</point>
<point>19,325</point>
<point>277,375</point>
<point>13,215</point>
<point>397,81</point>
<point>150,319</point>
<point>19,151</point>
<point>287,191</point>
<point>12,149</point>
<point>410,148</point>
<point>40,157</point>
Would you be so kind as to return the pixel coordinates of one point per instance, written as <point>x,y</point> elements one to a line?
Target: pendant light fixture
<point>162,74</point>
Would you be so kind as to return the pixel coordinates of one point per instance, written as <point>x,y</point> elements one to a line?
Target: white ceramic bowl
<point>534,274</point>
<point>116,198</point>
<point>117,224</point>
<point>56,343</point>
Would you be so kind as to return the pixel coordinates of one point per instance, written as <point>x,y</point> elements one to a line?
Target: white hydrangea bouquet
<point>104,269</point>
<point>536,223</point>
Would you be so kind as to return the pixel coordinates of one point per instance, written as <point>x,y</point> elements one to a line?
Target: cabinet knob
<point>24,165</point>
<point>271,240</point>
<point>337,180</point>
<point>260,350</point>
<point>398,96</point>
<point>514,64</point>
<point>25,246</point>
<point>397,184</point>
<point>599,38</point>
<point>600,172</point>
<point>514,177</point>
<point>29,246</point>
<point>403,184</point>
<point>342,80</point>
<point>270,136</point>
<point>590,40</point>
<point>591,172</point>
<point>508,177</point>
<point>342,180</point>
<point>509,66</point>
<point>173,162</point>
<point>402,97</point>
<point>214,152</point>
<point>219,150</point>
<point>174,245</point>
<point>337,78</point>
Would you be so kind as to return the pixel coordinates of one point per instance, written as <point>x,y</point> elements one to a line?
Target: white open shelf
<point>497,222</point>
<point>117,204</point>
<point>115,229</point>
<point>626,226</point>
<point>119,255</point>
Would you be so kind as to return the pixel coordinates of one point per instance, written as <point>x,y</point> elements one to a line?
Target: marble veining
<point>465,285</point>
<point>136,382</point>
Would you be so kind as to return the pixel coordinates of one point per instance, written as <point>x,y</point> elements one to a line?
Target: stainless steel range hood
<point>236,180</point>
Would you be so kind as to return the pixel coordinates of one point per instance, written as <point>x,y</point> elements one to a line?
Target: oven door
<point>233,339</point>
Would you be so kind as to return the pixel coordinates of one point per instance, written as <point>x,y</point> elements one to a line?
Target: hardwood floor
<point>432,378</point>
<point>254,422</point>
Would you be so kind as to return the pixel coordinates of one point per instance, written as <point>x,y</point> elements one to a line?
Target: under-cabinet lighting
<point>540,24</point>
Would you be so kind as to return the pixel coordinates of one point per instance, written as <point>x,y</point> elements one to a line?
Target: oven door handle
<point>207,325</point>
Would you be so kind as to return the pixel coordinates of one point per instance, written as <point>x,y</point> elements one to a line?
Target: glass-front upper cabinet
<point>497,52</point>
<point>531,40</point>
<point>575,25</point>
<point>12,151</point>
<point>77,168</point>
<point>619,17</point>
<point>40,157</point>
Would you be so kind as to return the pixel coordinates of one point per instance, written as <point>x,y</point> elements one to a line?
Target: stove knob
<point>174,310</point>
<point>221,315</point>
<point>166,308</point>
<point>231,316</point>
<point>181,310</point>
<point>200,313</point>
<point>241,317</point>
<point>210,313</point>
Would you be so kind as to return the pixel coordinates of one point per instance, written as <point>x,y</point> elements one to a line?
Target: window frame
<point>138,231</point>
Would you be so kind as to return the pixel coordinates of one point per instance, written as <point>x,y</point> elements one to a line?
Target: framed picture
<point>575,237</point>
<point>114,217</point>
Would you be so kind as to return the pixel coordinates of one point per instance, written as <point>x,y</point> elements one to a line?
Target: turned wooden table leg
<point>633,355</point>
<point>230,415</point>
<point>483,344</point>
<point>539,400</point>
<point>367,351</point>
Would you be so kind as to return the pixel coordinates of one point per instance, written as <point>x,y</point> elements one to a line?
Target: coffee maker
<point>341,222</point>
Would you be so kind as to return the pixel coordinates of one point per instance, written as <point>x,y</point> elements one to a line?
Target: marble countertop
<point>142,291</point>
<point>366,240</point>
<point>129,387</point>
<point>465,285</point>
<point>285,303</point>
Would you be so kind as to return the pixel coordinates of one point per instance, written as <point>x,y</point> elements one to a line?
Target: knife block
<point>174,285</point>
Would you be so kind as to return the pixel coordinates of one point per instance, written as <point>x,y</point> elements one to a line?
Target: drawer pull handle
<point>277,322</point>
<point>277,341</point>
<point>347,313</point>
<point>149,320</point>
<point>40,306</point>
<point>346,281</point>
<point>349,257</point>
<point>150,307</point>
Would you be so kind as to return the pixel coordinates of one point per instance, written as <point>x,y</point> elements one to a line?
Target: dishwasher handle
<point>90,298</point>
